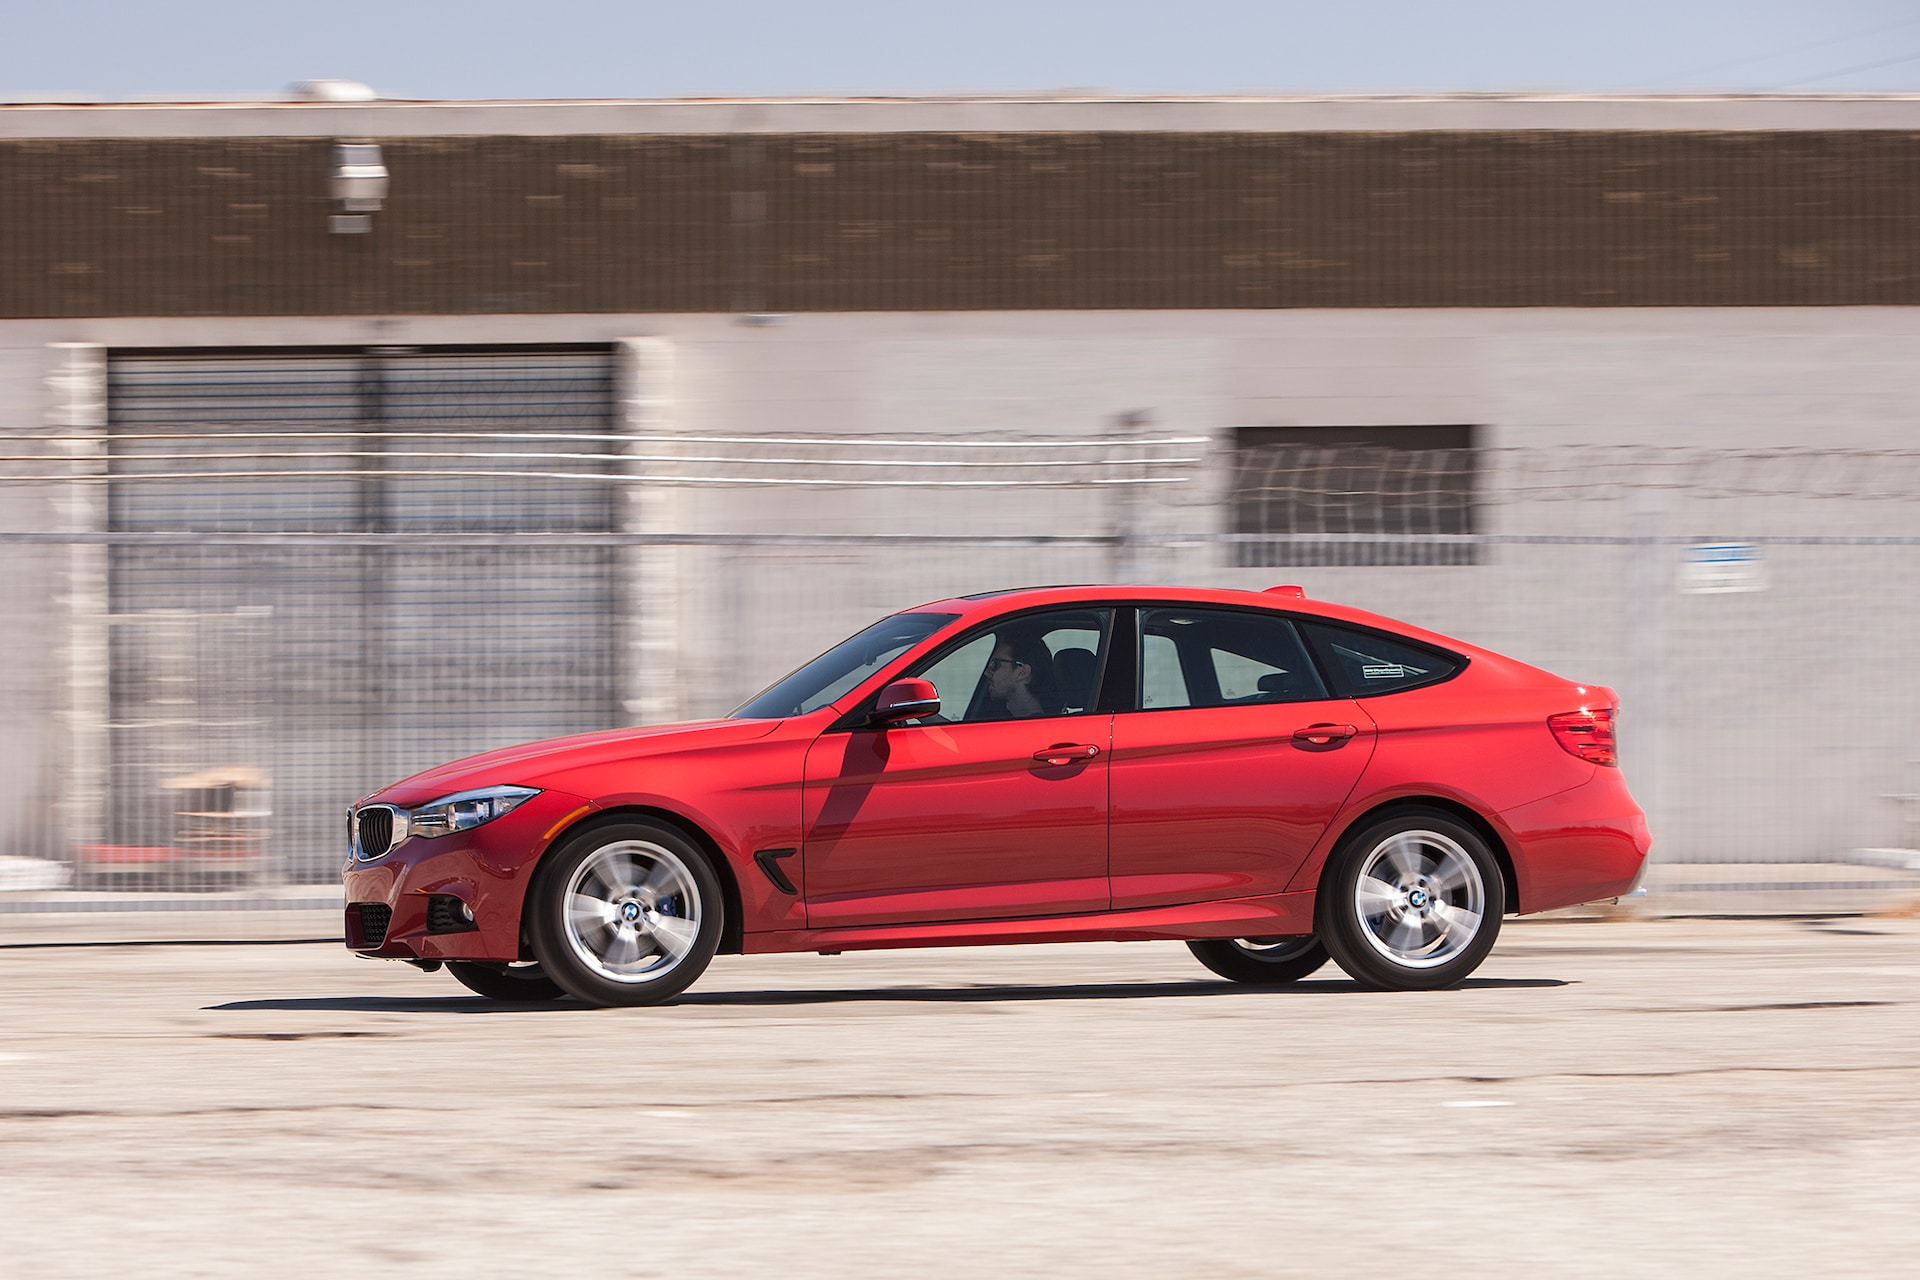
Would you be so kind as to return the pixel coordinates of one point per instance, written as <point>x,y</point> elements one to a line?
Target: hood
<point>528,762</point>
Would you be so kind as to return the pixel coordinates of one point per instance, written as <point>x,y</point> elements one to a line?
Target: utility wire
<point>1781,53</point>
<point>1847,71</point>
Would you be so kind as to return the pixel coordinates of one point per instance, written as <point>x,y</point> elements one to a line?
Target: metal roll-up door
<point>387,624</point>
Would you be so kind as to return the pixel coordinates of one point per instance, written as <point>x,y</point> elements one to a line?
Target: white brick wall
<point>1783,726</point>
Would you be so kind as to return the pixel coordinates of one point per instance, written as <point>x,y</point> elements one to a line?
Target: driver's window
<point>957,674</point>
<point>1033,666</point>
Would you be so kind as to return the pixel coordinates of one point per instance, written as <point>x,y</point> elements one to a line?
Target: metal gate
<point>396,619</point>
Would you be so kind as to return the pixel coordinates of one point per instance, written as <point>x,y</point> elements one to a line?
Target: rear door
<point>1232,760</point>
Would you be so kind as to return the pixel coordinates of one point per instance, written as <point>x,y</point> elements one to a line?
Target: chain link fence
<point>225,630</point>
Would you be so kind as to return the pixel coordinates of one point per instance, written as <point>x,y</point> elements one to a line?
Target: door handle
<point>1321,734</point>
<point>1066,753</point>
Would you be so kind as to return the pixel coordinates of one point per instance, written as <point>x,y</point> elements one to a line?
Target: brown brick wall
<point>940,221</point>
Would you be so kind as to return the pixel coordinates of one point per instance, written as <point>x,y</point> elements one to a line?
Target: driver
<point>1019,680</point>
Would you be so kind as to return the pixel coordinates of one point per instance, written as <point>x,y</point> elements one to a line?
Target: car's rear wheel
<point>512,983</point>
<point>1412,902</point>
<point>625,913</point>
<point>1261,962</point>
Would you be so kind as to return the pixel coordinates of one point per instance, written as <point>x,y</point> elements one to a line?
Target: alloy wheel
<point>632,911</point>
<point>1419,898</point>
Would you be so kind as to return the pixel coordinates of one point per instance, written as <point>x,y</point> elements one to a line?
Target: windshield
<point>843,666</point>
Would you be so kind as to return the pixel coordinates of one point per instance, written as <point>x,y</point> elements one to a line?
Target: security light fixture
<point>359,185</point>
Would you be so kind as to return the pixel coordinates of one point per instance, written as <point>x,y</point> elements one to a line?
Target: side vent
<point>769,863</point>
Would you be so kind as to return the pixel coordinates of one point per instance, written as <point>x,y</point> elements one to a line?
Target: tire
<point>1411,902</point>
<point>625,913</point>
<point>1261,962</point>
<point>509,983</point>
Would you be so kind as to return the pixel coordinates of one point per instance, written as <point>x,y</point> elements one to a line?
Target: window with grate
<point>1354,496</point>
<point>319,582</point>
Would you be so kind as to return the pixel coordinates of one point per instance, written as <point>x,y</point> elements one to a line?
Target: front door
<point>995,808</point>
<point>1234,762</point>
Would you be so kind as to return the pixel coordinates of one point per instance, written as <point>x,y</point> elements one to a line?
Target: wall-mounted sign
<point>1723,566</point>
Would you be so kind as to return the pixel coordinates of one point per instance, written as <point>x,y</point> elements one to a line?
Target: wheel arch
<point>732,929</point>
<point>1465,813</point>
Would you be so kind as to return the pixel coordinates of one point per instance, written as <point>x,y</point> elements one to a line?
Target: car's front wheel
<point>511,983</point>
<point>1412,902</point>
<point>1261,962</point>
<point>625,913</point>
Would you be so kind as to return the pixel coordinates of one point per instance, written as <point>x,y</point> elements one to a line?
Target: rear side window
<point>1363,664</point>
<point>1222,658</point>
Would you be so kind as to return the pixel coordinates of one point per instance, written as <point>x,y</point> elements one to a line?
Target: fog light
<point>448,914</point>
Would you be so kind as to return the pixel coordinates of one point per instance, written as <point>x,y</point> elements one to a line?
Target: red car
<point>1270,779</point>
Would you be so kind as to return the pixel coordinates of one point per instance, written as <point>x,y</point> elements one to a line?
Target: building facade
<point>612,412</point>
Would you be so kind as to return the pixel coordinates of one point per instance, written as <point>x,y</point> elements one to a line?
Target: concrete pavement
<point>1699,1097</point>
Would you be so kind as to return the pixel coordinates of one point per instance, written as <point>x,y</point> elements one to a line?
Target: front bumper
<point>404,906</point>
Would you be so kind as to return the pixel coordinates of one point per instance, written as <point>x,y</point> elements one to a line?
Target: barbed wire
<point>209,453</point>
<point>1435,485</point>
<point>1298,488</point>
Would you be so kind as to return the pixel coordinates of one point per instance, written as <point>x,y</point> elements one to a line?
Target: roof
<point>990,604</point>
<point>985,114</point>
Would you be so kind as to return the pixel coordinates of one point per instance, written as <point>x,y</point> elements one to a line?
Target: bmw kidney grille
<point>375,833</point>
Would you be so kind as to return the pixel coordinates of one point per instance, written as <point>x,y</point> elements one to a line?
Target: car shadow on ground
<point>390,1004</point>
<point>857,995</point>
<point>1086,991</point>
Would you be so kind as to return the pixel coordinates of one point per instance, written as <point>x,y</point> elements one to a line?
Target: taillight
<point>1587,734</point>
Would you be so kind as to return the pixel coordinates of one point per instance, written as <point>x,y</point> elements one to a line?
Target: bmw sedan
<point>1272,780</point>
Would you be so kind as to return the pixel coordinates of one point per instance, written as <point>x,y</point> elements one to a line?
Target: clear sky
<point>127,49</point>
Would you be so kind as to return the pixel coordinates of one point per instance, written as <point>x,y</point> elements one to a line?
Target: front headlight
<point>466,810</point>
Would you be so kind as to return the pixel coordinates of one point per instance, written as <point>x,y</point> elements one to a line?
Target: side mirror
<point>905,700</point>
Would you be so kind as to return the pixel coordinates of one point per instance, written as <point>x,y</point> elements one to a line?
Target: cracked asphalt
<point>1648,1097</point>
